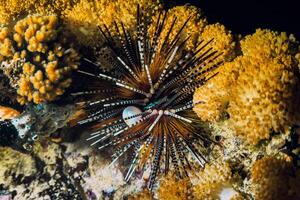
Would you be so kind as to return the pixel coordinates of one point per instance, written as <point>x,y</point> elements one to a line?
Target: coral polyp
<point>144,104</point>
<point>35,58</point>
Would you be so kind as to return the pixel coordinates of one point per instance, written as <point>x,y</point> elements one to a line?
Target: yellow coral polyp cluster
<point>47,63</point>
<point>85,17</point>
<point>173,188</point>
<point>262,99</point>
<point>270,176</point>
<point>257,89</point>
<point>9,9</point>
<point>180,14</point>
<point>270,44</point>
<point>222,40</point>
<point>214,94</point>
<point>13,10</point>
<point>211,180</point>
<point>264,92</point>
<point>6,46</point>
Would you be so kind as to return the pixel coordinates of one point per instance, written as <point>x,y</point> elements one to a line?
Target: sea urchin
<point>143,104</point>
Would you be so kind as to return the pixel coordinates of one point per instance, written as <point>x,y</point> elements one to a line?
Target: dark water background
<point>245,16</point>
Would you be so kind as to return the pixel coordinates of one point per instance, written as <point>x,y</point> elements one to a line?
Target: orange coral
<point>172,188</point>
<point>45,63</point>
<point>215,94</point>
<point>259,86</point>
<point>181,14</point>
<point>223,41</point>
<point>13,10</point>
<point>264,92</point>
<point>85,17</point>
<point>8,113</point>
<point>270,176</point>
<point>212,179</point>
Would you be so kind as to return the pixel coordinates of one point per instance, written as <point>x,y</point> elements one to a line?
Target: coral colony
<point>145,103</point>
<point>129,100</point>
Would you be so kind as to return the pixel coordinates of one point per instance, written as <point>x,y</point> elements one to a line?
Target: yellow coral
<point>223,41</point>
<point>85,17</point>
<point>12,10</point>
<point>270,44</point>
<point>263,95</point>
<point>47,63</point>
<point>9,9</point>
<point>214,95</point>
<point>211,180</point>
<point>46,7</point>
<point>258,85</point>
<point>172,188</point>
<point>262,99</point>
<point>181,14</point>
<point>269,178</point>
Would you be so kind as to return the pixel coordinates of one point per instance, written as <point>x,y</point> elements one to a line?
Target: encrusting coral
<point>46,61</point>
<point>14,164</point>
<point>143,195</point>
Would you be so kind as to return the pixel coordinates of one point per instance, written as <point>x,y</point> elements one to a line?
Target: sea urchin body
<point>144,104</point>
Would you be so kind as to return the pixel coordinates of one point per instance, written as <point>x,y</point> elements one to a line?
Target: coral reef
<point>45,64</point>
<point>186,109</point>
<point>42,175</point>
<point>15,165</point>
<point>20,131</point>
